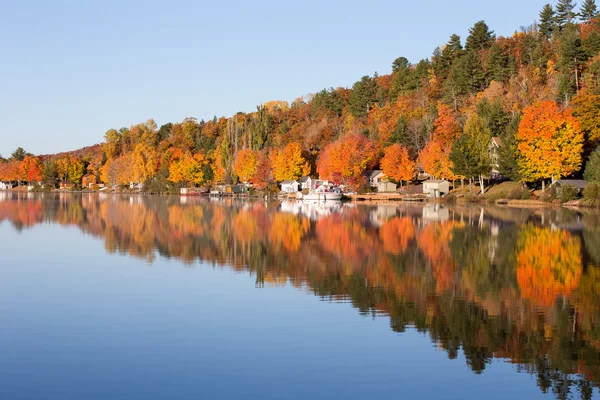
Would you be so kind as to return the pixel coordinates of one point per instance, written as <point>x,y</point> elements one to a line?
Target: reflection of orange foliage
<point>244,225</point>
<point>433,241</point>
<point>288,230</point>
<point>186,220</point>
<point>339,235</point>
<point>396,234</point>
<point>548,264</point>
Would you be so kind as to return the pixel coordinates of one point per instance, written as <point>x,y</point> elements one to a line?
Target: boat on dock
<point>320,194</point>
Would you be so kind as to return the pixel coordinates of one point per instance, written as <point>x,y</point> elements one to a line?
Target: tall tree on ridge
<point>547,24</point>
<point>588,10</point>
<point>480,37</point>
<point>565,12</point>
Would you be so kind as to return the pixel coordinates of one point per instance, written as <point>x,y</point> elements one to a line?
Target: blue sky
<point>73,69</point>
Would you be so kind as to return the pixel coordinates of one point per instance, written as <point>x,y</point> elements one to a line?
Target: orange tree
<point>290,164</point>
<point>30,169</point>
<point>245,165</point>
<point>396,163</point>
<point>549,143</point>
<point>435,160</point>
<point>345,160</point>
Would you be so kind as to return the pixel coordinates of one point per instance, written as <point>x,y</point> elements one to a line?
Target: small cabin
<point>375,177</point>
<point>6,185</point>
<point>88,180</point>
<point>435,188</point>
<point>289,186</point>
<point>384,186</point>
<point>306,183</point>
<point>68,185</point>
<point>579,184</point>
<point>235,189</point>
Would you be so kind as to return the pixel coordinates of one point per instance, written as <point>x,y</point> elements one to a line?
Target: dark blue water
<point>100,298</point>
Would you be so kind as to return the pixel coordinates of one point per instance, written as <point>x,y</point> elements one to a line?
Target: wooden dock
<point>378,197</point>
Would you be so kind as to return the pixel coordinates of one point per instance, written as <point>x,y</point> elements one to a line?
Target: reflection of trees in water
<point>494,283</point>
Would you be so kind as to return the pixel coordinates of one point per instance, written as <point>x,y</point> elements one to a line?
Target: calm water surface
<point>131,297</point>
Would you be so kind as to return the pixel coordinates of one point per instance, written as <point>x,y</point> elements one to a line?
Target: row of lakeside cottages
<point>377,181</point>
<point>88,181</point>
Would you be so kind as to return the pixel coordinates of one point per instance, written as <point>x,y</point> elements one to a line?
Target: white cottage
<point>435,188</point>
<point>305,183</point>
<point>289,186</point>
<point>375,177</point>
<point>6,185</point>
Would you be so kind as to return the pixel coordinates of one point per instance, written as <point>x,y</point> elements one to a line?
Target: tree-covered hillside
<point>537,92</point>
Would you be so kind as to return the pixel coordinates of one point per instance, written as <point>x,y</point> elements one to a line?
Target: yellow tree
<point>76,169</point>
<point>549,143</point>
<point>245,165</point>
<point>290,164</point>
<point>146,161</point>
<point>396,163</point>
<point>188,169</point>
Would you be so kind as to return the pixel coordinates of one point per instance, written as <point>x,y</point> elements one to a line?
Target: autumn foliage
<point>245,165</point>
<point>548,264</point>
<point>396,163</point>
<point>346,160</point>
<point>549,142</point>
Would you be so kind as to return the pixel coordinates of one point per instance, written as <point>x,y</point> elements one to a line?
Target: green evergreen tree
<point>49,174</point>
<point>400,133</point>
<point>571,59</point>
<point>497,65</point>
<point>547,24</point>
<point>19,154</point>
<point>402,79</point>
<point>442,59</point>
<point>480,37</point>
<point>565,12</point>
<point>588,10</point>
<point>494,116</point>
<point>592,167</point>
<point>363,96</point>
<point>508,161</point>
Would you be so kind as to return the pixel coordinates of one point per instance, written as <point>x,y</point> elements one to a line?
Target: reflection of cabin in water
<point>435,212</point>
<point>379,215</point>
<point>220,190</point>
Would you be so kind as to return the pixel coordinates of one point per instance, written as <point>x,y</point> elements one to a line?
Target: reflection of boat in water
<point>320,194</point>
<point>313,210</point>
<point>193,191</point>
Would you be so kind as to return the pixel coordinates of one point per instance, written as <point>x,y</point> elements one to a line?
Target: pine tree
<point>592,168</point>
<point>565,12</point>
<point>480,37</point>
<point>588,10</point>
<point>363,96</point>
<point>571,59</point>
<point>547,24</point>
<point>442,59</point>
<point>496,66</point>
<point>402,80</point>
<point>400,133</point>
<point>508,161</point>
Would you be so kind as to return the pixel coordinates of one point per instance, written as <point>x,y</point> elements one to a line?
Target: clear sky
<point>72,69</point>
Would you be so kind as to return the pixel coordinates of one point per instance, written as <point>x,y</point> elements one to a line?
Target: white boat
<point>321,194</point>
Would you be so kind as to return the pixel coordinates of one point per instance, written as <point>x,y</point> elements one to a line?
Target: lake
<point>141,297</point>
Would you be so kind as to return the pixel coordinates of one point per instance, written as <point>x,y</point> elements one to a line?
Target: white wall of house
<point>289,187</point>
